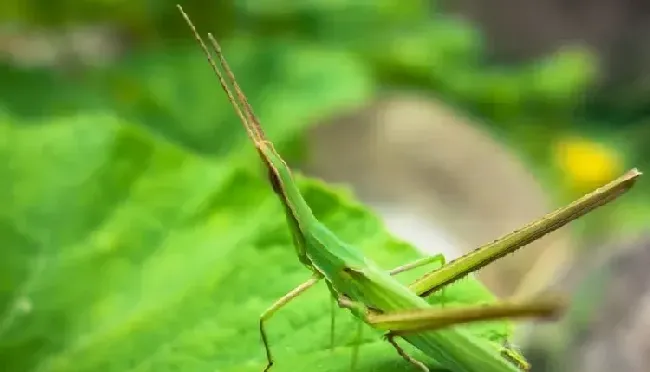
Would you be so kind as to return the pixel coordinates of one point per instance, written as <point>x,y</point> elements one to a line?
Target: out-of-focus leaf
<point>174,91</point>
<point>562,77</point>
<point>36,92</point>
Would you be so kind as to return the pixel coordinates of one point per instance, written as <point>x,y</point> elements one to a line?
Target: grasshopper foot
<point>390,337</point>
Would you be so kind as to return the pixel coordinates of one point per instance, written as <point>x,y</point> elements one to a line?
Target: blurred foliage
<point>174,92</point>
<point>301,61</point>
<point>403,43</point>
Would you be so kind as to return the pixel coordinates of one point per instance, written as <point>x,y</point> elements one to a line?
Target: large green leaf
<point>124,252</point>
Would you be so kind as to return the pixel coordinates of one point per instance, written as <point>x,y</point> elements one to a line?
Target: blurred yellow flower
<point>585,163</point>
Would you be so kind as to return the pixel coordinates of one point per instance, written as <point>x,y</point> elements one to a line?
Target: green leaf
<point>124,252</point>
<point>39,92</point>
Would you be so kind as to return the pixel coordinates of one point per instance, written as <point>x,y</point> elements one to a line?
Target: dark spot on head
<point>274,180</point>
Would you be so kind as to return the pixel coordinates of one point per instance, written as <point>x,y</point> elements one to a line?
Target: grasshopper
<point>372,294</point>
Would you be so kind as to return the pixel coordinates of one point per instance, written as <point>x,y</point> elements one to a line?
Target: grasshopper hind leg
<point>390,337</point>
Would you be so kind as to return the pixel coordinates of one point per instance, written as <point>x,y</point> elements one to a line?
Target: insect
<point>372,294</point>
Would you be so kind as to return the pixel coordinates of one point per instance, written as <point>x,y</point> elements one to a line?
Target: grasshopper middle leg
<point>402,323</point>
<point>268,313</point>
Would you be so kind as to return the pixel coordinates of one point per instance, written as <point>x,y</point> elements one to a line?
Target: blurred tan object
<point>91,45</point>
<point>415,160</point>
<point>608,328</point>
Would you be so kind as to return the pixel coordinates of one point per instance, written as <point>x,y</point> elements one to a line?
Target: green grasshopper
<point>373,295</point>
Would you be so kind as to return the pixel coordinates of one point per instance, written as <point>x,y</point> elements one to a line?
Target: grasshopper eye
<point>353,273</point>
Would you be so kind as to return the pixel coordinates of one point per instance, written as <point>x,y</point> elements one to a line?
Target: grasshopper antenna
<point>254,134</point>
<point>254,121</point>
<point>242,107</point>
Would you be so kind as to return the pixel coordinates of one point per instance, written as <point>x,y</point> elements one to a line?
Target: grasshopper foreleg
<point>268,313</point>
<point>439,258</point>
<point>367,315</point>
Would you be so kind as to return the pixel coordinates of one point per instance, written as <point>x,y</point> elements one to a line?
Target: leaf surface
<point>125,249</point>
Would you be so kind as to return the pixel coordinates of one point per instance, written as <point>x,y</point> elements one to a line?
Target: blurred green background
<point>303,61</point>
<point>300,62</point>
